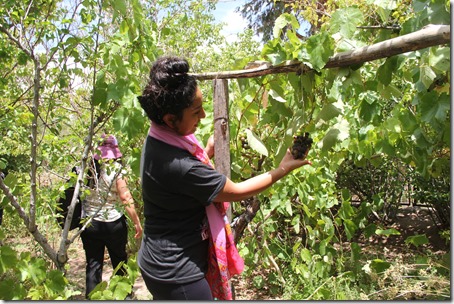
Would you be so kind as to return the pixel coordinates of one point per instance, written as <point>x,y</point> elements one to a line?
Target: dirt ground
<point>76,275</point>
<point>410,221</point>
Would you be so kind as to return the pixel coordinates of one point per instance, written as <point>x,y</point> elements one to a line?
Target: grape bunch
<point>301,144</point>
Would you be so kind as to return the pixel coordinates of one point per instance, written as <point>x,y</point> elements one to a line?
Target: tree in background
<point>261,14</point>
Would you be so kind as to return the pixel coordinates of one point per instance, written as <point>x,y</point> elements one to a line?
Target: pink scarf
<point>223,258</point>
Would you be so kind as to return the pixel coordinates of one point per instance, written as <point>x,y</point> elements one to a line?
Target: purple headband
<point>109,148</point>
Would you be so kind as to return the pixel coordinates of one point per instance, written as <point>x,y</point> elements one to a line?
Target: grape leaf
<point>255,143</point>
<point>345,21</point>
<point>417,240</point>
<point>320,47</point>
<point>328,112</point>
<point>385,71</point>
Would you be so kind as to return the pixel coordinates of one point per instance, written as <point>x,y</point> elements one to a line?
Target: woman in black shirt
<point>180,257</point>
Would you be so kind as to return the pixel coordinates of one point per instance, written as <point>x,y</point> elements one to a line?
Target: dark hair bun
<point>170,89</point>
<point>169,72</point>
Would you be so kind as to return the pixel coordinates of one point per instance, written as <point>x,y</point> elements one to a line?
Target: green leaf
<point>434,107</point>
<point>121,119</point>
<point>426,76</point>
<point>306,255</point>
<point>276,96</point>
<point>120,287</point>
<point>392,124</point>
<point>338,132</point>
<point>35,270</point>
<point>282,21</point>
<point>97,292</point>
<point>350,228</point>
<point>124,27</point>
<point>345,21</point>
<point>258,281</point>
<point>346,211</point>
<point>328,112</point>
<point>274,53</point>
<point>421,139</point>
<point>335,94</point>
<point>296,223</point>
<point>8,258</point>
<point>100,94</point>
<point>330,139</point>
<point>417,240</point>
<point>439,59</point>
<point>355,252</point>
<point>22,58</point>
<point>320,48</point>
<point>379,265</point>
<point>120,5</point>
<point>369,230</point>
<point>255,143</point>
<point>437,12</point>
<point>9,293</point>
<point>56,281</point>
<point>346,195</point>
<point>369,108</point>
<point>387,232</point>
<point>2,164</point>
<point>386,70</point>
<point>288,207</point>
<point>384,9</point>
<point>113,92</point>
<point>385,4</point>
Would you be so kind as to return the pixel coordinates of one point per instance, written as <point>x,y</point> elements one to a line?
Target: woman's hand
<point>288,163</point>
<point>209,148</point>
<point>139,230</point>
<point>238,191</point>
<point>128,202</point>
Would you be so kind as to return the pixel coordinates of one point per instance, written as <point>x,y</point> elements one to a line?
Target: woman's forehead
<point>198,99</point>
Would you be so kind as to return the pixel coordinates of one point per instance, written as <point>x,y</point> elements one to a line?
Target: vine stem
<point>326,281</point>
<point>275,265</point>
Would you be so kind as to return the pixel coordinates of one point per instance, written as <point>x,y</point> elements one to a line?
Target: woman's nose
<point>202,113</point>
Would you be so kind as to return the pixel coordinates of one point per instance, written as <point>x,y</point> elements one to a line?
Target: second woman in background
<point>109,196</point>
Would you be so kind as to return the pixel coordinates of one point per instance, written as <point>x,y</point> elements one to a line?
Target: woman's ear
<point>170,120</point>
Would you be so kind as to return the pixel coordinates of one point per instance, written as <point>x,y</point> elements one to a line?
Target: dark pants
<point>198,290</point>
<point>114,236</point>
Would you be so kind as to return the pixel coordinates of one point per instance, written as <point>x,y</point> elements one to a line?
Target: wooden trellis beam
<point>428,36</point>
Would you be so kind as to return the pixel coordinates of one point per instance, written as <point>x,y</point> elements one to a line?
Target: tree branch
<point>430,35</point>
<point>22,214</point>
<point>240,223</point>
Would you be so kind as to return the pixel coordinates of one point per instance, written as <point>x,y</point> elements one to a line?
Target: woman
<point>187,252</point>
<point>108,227</point>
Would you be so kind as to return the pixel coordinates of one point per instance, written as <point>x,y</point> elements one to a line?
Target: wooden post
<point>221,129</point>
<point>222,135</point>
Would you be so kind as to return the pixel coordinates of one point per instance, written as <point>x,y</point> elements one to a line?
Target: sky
<point>225,12</point>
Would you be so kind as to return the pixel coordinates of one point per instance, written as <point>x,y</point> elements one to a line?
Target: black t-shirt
<point>176,188</point>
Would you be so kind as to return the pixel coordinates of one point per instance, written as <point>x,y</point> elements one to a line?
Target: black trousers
<point>100,235</point>
<point>198,290</point>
